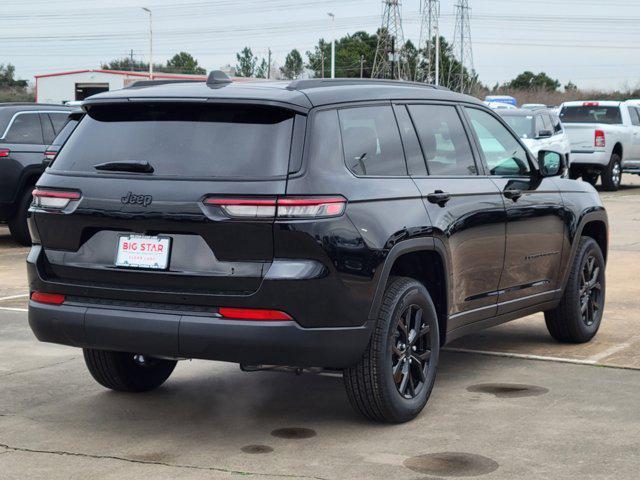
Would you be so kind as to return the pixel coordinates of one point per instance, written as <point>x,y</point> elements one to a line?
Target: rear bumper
<point>187,335</point>
<point>581,157</point>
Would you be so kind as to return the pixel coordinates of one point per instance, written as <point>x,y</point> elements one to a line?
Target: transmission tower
<point>390,60</point>
<point>429,30</point>
<point>462,49</point>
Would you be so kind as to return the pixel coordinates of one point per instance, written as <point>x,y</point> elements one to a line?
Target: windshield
<point>591,114</point>
<point>183,139</point>
<point>521,124</point>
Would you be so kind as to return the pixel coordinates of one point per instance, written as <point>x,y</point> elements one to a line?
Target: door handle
<point>439,197</point>
<point>512,194</point>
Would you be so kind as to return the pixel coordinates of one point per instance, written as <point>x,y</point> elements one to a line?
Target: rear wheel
<point>18,223</point>
<point>578,317</point>
<point>393,380</point>
<point>127,372</point>
<point>612,175</point>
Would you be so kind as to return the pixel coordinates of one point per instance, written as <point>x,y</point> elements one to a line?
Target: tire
<point>127,372</point>
<point>590,178</point>
<point>612,175</point>
<point>567,322</point>
<point>371,385</point>
<point>18,223</point>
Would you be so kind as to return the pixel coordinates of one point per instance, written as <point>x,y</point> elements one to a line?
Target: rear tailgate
<point>582,135</point>
<point>196,151</point>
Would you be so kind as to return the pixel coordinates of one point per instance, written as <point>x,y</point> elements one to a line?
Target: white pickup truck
<point>605,140</point>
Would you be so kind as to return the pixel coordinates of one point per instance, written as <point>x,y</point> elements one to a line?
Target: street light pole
<point>333,44</point>
<point>150,42</point>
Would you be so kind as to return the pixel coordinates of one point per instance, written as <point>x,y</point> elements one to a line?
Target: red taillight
<point>48,298</point>
<point>50,154</point>
<point>287,207</point>
<point>4,152</point>
<point>54,199</point>
<point>311,207</point>
<point>591,104</point>
<point>253,314</point>
<point>600,140</point>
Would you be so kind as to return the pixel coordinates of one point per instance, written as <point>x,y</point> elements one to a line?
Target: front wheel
<point>127,372</point>
<point>393,380</point>
<point>578,317</point>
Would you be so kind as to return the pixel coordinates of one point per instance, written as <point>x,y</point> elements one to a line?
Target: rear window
<point>65,132</point>
<point>183,140</point>
<point>591,114</point>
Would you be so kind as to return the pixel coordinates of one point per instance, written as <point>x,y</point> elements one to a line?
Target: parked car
<point>539,130</point>
<point>534,106</point>
<point>354,225</point>
<point>501,99</point>
<point>500,106</point>
<point>26,128</point>
<point>605,140</point>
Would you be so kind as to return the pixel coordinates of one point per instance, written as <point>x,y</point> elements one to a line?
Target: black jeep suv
<point>349,225</point>
<point>26,129</point>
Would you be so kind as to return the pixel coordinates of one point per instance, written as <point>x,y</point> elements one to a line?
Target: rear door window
<point>635,116</point>
<point>444,142</point>
<point>25,128</point>
<point>371,141</point>
<point>47,128</point>
<point>184,140</point>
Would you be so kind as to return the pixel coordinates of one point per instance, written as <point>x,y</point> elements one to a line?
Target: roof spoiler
<point>218,78</point>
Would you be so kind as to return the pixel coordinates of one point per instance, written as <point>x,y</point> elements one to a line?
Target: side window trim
<point>533,164</point>
<point>480,169</point>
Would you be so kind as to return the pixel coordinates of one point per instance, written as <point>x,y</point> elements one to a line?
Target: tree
<point>570,87</point>
<point>183,62</point>
<point>247,62</point>
<point>7,77</point>
<point>129,65</point>
<point>531,81</point>
<point>410,54</point>
<point>293,65</point>
<point>450,67</point>
<point>263,69</point>
<point>349,51</point>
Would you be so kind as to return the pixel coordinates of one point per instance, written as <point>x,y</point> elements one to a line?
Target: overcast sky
<point>594,43</point>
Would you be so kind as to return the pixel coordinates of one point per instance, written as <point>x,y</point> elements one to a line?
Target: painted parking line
<point>13,297</point>
<point>540,358</point>
<point>13,309</point>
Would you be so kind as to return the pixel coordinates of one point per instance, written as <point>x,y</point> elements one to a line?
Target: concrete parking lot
<point>508,403</point>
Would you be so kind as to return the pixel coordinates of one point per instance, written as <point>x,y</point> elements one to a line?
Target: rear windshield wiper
<point>126,166</point>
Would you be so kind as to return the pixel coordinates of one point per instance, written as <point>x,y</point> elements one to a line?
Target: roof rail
<point>152,83</point>
<point>218,78</point>
<point>329,82</point>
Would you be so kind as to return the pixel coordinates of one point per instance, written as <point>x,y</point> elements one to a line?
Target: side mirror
<point>545,134</point>
<point>552,164</point>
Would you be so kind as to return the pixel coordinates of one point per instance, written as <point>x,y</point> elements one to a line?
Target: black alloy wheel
<point>411,351</point>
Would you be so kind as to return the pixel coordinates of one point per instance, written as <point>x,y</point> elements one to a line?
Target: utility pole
<point>429,20</point>
<point>388,64</point>
<point>150,42</point>
<point>269,64</point>
<point>333,44</point>
<point>361,66</point>
<point>462,44</point>
<point>437,79</point>
<point>323,64</point>
<point>131,62</point>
